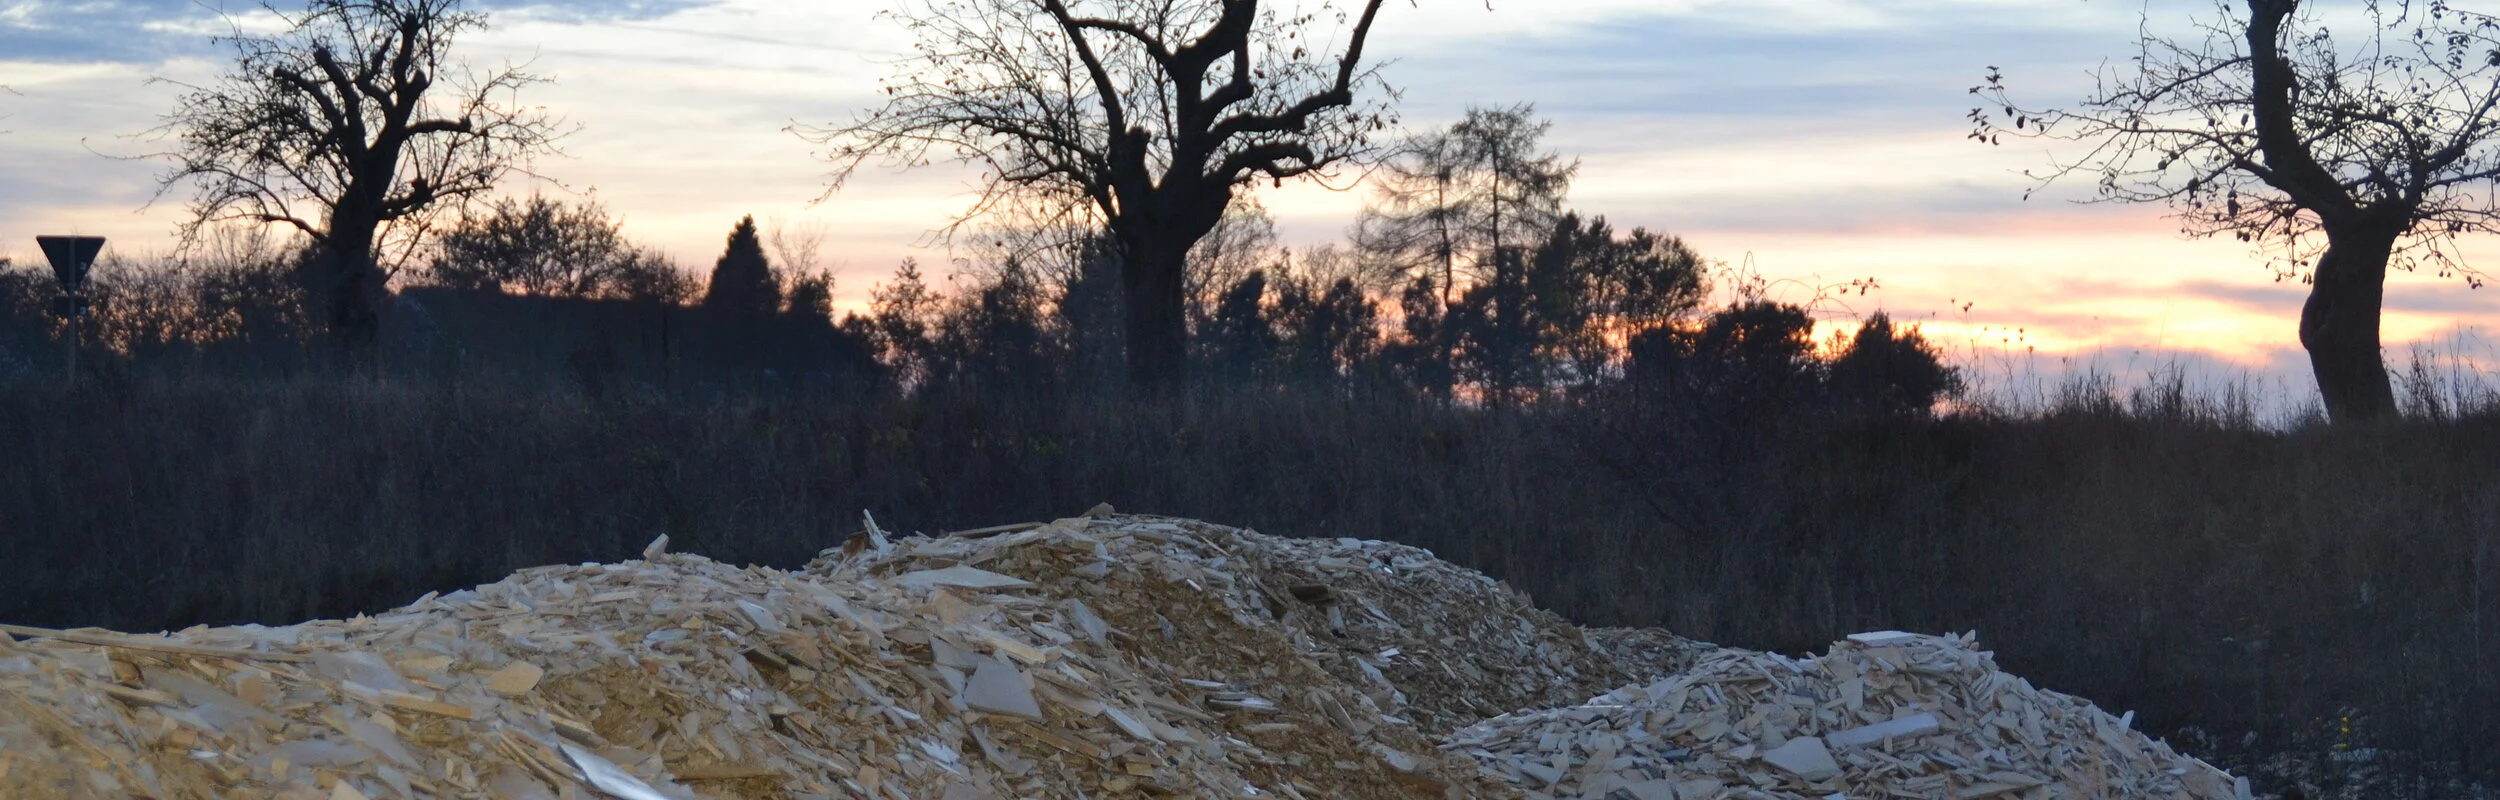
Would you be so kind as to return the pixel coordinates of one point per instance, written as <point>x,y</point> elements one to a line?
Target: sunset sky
<point>1819,140</point>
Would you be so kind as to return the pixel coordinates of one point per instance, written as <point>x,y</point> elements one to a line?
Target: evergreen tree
<point>1891,370</point>
<point>1594,289</point>
<point>1238,338</point>
<point>1325,332</point>
<point>1753,359</point>
<point>1420,355</point>
<point>811,297</point>
<point>1449,202</point>
<point>901,313</point>
<point>1088,306</point>
<point>1498,331</point>
<point>743,281</point>
<point>993,340</point>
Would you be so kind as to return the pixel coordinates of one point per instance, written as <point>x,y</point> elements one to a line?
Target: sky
<point>1811,141</point>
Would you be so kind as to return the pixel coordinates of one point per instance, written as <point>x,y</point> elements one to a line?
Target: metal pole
<point>73,341</point>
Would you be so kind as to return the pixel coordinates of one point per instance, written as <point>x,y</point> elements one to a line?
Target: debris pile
<point>1099,656</point>
<point>1884,714</point>
<point>1429,642</point>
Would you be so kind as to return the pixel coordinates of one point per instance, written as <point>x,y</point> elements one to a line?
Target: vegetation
<point>546,247</point>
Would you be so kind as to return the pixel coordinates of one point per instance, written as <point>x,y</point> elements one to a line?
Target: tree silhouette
<point>742,282</point>
<point>799,249</point>
<point>1416,224</point>
<point>1327,330</point>
<point>544,247</point>
<point>355,126</point>
<point>994,339</point>
<point>811,297</point>
<point>1449,200</point>
<point>1238,337</point>
<point>1753,359</point>
<point>1243,241</point>
<point>1594,290</point>
<point>2271,129</point>
<point>1145,114</point>
<point>1420,354</point>
<point>1498,331</point>
<point>1891,370</point>
<point>901,313</point>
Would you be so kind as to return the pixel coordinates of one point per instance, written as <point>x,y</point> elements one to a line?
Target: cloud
<point>2260,297</point>
<point>1846,64</point>
<point>584,12</point>
<point>2421,296</point>
<point>105,30</point>
<point>150,31</point>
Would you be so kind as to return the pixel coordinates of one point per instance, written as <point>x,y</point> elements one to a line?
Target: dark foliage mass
<point>743,282</point>
<point>547,247</point>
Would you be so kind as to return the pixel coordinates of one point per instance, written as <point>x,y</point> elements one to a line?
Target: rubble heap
<point>1884,714</point>
<point>1099,657</point>
<point>1429,642</point>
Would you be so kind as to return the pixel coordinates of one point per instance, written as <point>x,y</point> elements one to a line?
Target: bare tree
<point>799,249</point>
<point>1416,222</point>
<point>2265,126</point>
<point>798,246</point>
<point>1452,200</point>
<point>357,127</point>
<point>1242,241</point>
<point>1522,189</point>
<point>1147,114</point>
<point>551,248</point>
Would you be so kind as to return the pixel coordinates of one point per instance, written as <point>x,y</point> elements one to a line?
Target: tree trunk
<point>1150,277</point>
<point>2339,325</point>
<point>351,286</point>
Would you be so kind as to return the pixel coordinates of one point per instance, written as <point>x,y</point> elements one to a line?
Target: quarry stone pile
<point>1099,656</point>
<point>1882,714</point>
<point>1432,644</point>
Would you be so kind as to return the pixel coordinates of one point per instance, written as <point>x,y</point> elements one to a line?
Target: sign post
<point>71,257</point>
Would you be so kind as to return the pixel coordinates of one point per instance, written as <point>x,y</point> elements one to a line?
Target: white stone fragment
<point>606,777</point>
<point>999,689</point>
<point>1882,638</point>
<point>962,576</point>
<point>1912,725</point>
<point>1806,757</point>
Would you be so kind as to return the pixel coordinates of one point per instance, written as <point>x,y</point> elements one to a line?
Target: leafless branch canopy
<point>1098,104</point>
<point>357,110</point>
<point>2393,125</point>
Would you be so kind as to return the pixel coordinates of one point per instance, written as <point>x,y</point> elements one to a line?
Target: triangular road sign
<point>70,257</point>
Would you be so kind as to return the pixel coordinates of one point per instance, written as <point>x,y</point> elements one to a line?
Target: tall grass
<point>2243,586</point>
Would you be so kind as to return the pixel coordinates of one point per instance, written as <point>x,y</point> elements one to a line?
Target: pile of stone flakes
<point>1096,656</point>
<point>1428,644</point>
<point>1883,714</point>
